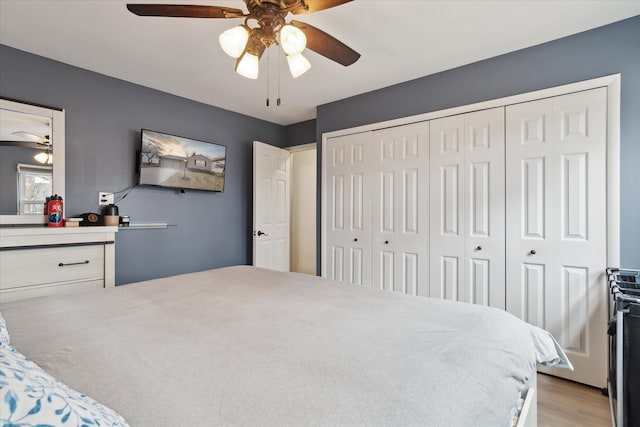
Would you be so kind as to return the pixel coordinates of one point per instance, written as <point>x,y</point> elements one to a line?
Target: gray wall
<point>103,121</point>
<point>606,50</point>
<point>300,133</point>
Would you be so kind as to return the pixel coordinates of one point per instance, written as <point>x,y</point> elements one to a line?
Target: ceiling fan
<point>32,140</point>
<point>265,25</point>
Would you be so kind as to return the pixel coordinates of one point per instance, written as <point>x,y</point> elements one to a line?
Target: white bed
<point>247,346</point>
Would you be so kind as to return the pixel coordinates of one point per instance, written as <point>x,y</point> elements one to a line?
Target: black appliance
<point>624,346</point>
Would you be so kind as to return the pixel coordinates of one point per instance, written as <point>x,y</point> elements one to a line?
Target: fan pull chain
<point>278,100</point>
<point>268,67</point>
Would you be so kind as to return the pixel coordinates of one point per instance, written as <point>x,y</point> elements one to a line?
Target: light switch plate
<point>105,198</point>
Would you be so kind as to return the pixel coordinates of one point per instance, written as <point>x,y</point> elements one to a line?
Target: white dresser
<point>38,261</point>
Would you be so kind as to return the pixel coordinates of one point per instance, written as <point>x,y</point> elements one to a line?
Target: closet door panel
<point>484,209</point>
<point>579,233</point>
<point>528,197</point>
<point>531,286</point>
<point>348,205</point>
<point>447,245</point>
<point>400,232</point>
<point>557,230</point>
<point>467,208</point>
<point>450,285</point>
<point>450,200</point>
<point>479,280</point>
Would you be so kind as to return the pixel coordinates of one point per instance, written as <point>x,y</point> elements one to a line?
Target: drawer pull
<point>62,264</point>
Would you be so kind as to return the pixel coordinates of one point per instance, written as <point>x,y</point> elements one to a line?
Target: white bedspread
<point>246,346</point>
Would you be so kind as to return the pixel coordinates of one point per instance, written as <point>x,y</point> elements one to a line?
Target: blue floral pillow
<point>4,333</point>
<point>31,397</point>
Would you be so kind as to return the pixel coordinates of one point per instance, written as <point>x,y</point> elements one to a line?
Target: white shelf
<point>144,226</point>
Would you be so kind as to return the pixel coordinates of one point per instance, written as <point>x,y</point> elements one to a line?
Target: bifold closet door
<point>556,224</point>
<point>400,217</point>
<point>348,248</point>
<point>467,240</point>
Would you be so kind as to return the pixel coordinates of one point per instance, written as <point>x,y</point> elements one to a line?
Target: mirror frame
<point>57,138</point>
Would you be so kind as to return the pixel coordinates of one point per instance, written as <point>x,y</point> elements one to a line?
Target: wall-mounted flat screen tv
<point>181,163</point>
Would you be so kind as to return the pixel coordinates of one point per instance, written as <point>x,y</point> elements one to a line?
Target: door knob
<point>260,233</point>
<point>532,252</point>
<point>479,248</point>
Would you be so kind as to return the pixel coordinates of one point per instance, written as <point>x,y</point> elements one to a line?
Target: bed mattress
<point>248,346</point>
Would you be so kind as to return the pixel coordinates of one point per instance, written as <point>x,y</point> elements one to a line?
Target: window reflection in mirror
<point>35,184</point>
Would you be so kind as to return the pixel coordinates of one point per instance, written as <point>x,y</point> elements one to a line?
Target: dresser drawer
<point>28,267</point>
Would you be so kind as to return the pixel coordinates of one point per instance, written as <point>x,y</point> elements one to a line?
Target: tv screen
<point>181,163</point>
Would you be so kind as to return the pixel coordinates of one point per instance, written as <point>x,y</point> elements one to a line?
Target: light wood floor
<point>563,403</point>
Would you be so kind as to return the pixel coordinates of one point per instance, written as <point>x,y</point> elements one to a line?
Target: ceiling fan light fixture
<point>44,157</point>
<point>234,40</point>
<point>292,39</point>
<point>247,66</point>
<point>298,65</point>
<point>268,27</point>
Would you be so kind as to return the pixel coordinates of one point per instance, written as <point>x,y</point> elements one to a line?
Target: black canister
<point>110,210</point>
<point>111,215</point>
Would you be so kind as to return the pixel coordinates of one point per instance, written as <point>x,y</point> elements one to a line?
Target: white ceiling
<point>398,40</point>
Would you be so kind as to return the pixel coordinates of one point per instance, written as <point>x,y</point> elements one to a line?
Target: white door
<point>271,206</point>
<point>400,213</point>
<point>556,224</point>
<point>484,208</point>
<point>446,208</point>
<point>467,208</point>
<point>347,256</point>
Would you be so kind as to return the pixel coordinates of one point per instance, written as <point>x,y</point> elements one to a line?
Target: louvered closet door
<point>400,217</point>
<point>556,224</point>
<point>467,208</point>
<point>348,250</point>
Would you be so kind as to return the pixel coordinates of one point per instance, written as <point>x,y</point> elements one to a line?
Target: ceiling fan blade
<point>184,11</point>
<point>327,45</point>
<point>44,140</point>
<point>27,144</point>
<point>309,6</point>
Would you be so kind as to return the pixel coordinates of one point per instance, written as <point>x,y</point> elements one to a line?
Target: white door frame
<point>611,82</point>
<point>301,147</point>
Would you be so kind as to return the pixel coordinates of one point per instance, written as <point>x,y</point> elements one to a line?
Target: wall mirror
<point>32,153</point>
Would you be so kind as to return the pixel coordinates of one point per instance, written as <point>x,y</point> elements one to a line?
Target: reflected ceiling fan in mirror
<point>33,141</point>
<point>42,141</point>
<point>265,25</point>
<point>45,157</point>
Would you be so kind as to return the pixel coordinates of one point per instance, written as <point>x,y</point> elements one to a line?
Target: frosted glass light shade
<point>292,40</point>
<point>248,66</point>
<point>234,41</point>
<point>45,157</point>
<point>298,65</point>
